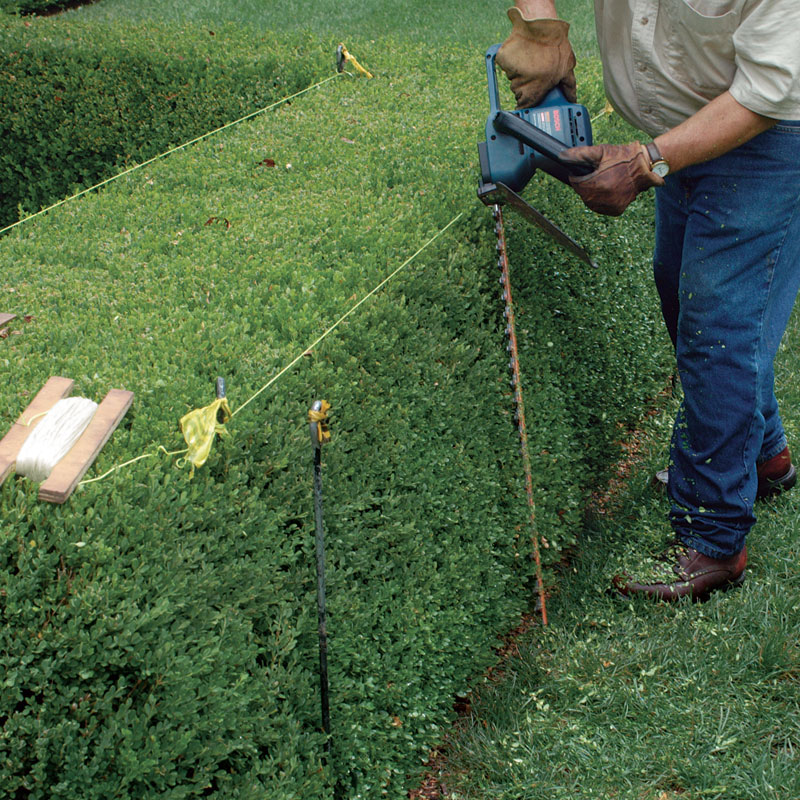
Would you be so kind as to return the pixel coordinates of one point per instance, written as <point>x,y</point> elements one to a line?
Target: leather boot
<point>774,476</point>
<point>681,571</point>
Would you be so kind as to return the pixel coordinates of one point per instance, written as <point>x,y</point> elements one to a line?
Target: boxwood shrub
<point>83,100</point>
<point>33,6</point>
<point>158,632</point>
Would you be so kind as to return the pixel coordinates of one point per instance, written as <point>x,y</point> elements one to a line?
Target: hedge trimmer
<point>517,144</point>
<point>522,141</point>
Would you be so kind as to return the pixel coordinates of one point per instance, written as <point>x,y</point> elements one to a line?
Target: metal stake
<point>318,431</point>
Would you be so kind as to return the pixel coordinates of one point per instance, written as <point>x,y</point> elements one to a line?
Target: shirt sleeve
<point>767,47</point>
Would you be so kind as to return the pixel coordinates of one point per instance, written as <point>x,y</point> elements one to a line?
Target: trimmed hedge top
<point>81,101</point>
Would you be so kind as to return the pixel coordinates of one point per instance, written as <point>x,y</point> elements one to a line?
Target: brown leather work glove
<point>621,172</point>
<point>536,57</point>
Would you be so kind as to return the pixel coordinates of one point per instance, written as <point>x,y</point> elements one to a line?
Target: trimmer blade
<point>499,194</point>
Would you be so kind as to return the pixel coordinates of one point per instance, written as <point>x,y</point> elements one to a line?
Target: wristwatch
<point>657,163</point>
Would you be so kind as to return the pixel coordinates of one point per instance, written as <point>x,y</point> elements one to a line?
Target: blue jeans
<point>727,269</point>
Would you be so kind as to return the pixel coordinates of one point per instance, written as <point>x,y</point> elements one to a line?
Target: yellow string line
<point>347,314</point>
<point>169,152</point>
<point>27,423</point>
<point>161,449</point>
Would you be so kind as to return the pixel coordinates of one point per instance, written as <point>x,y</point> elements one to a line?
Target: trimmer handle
<point>520,129</point>
<point>536,138</point>
<point>491,73</point>
<point>555,97</point>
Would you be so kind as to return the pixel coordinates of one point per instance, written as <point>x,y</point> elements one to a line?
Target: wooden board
<point>4,318</point>
<point>54,390</point>
<point>68,472</point>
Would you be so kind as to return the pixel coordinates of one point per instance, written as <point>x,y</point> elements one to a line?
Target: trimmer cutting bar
<point>495,194</point>
<point>516,383</point>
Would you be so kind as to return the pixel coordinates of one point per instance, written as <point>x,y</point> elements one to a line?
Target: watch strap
<point>653,152</point>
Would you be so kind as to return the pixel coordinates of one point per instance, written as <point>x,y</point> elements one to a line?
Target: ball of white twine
<point>54,437</point>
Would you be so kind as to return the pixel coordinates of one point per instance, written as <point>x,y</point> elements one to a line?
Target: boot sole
<point>734,583</point>
<point>617,589</point>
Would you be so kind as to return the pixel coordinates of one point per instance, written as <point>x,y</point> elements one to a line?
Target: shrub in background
<point>83,100</point>
<point>33,6</point>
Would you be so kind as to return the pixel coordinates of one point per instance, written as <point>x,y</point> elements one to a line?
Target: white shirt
<point>663,60</point>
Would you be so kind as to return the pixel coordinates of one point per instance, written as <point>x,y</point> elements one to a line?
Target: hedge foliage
<point>33,6</point>
<point>158,632</point>
<point>82,101</point>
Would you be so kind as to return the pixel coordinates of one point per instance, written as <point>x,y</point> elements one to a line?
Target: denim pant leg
<point>727,268</point>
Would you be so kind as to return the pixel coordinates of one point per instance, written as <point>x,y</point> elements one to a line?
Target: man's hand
<point>536,57</point>
<point>620,173</point>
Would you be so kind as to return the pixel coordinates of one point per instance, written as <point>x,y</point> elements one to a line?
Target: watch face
<point>661,168</point>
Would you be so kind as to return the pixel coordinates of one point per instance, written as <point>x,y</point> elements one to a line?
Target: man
<point>717,84</point>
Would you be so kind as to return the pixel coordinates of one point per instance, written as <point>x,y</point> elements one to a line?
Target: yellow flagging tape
<point>167,153</point>
<point>607,109</point>
<point>350,59</point>
<point>321,418</point>
<point>200,426</point>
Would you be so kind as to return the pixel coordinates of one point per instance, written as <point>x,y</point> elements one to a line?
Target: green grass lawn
<point>632,700</point>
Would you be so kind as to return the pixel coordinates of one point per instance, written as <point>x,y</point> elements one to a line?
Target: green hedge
<point>32,6</point>
<point>81,101</point>
<point>158,632</point>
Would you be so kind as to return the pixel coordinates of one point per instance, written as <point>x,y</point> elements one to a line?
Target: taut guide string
<point>300,355</point>
<point>170,152</point>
